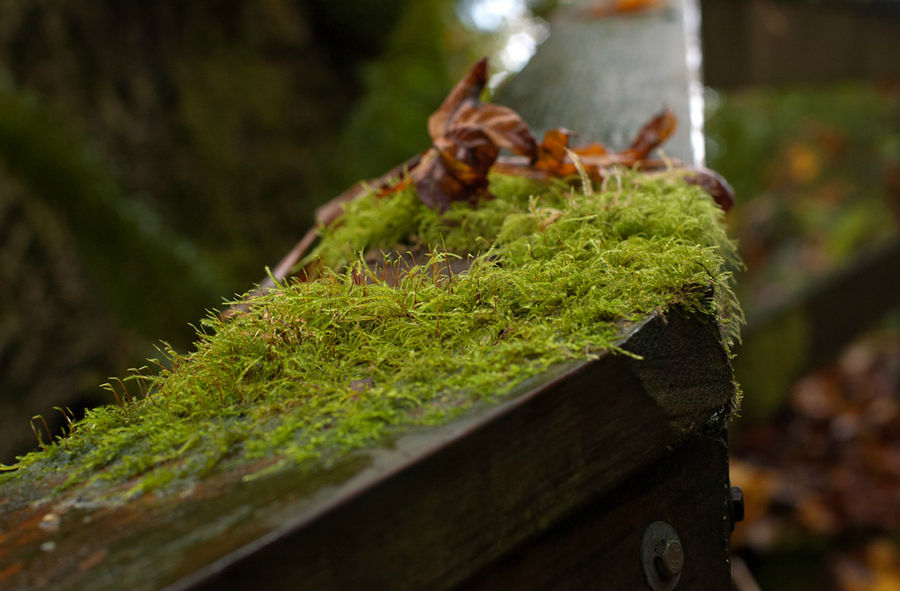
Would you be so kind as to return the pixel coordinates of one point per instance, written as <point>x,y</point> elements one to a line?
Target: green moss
<point>315,370</point>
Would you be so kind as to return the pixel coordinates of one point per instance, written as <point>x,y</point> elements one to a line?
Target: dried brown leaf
<point>552,153</point>
<point>714,184</point>
<point>505,128</point>
<point>467,136</point>
<point>651,135</point>
<point>467,90</point>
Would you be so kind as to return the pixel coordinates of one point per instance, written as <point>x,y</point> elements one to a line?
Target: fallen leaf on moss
<point>467,136</point>
<point>651,135</point>
<point>714,184</point>
<point>556,159</point>
<point>463,109</point>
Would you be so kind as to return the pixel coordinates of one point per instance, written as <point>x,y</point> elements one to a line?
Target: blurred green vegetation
<point>120,242</point>
<point>815,170</point>
<point>402,88</point>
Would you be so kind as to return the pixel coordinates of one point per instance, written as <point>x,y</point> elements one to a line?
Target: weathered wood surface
<point>427,512</point>
<point>597,548</point>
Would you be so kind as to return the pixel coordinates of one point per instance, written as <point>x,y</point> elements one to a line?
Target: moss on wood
<point>315,370</point>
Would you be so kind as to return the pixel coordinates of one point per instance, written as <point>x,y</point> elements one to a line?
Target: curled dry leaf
<point>467,136</point>
<point>463,109</point>
<point>714,184</point>
<point>651,135</point>
<point>553,153</point>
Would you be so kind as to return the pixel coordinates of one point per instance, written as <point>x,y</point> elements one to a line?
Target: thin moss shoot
<point>314,370</point>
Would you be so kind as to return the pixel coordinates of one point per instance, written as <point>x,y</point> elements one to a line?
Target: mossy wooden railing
<point>552,487</point>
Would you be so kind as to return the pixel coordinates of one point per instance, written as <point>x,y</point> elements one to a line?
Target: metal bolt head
<point>662,556</point>
<point>669,559</point>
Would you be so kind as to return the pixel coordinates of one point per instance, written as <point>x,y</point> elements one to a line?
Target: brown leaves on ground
<point>875,567</point>
<point>830,468</point>
<point>834,458</point>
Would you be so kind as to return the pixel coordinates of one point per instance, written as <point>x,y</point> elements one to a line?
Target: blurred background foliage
<point>816,172</point>
<point>154,157</point>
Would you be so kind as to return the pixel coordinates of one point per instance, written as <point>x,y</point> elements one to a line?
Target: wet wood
<point>598,546</point>
<point>428,511</point>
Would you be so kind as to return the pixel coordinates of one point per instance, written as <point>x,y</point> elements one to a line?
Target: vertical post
<point>604,77</point>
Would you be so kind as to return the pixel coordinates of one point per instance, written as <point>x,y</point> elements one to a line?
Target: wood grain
<point>507,476</point>
<point>598,546</point>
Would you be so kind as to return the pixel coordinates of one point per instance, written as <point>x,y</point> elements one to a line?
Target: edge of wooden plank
<point>513,470</point>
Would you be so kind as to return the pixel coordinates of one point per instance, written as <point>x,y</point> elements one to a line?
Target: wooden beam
<point>768,42</point>
<point>577,552</point>
<point>427,511</point>
<point>479,487</point>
